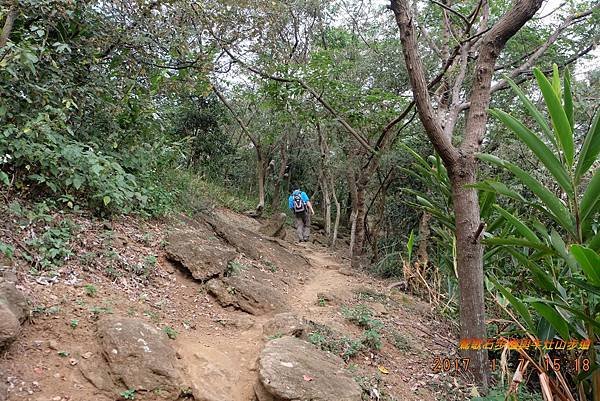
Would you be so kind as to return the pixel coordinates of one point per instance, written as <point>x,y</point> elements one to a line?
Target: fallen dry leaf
<point>307,378</point>
<point>383,370</point>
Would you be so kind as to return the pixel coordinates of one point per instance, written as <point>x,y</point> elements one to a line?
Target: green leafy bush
<point>362,315</point>
<point>44,158</point>
<point>52,246</point>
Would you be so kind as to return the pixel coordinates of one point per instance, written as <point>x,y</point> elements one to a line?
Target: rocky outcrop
<point>199,251</point>
<point>284,324</point>
<point>256,246</point>
<point>292,369</point>
<point>274,227</point>
<point>252,291</point>
<point>138,357</point>
<point>13,312</point>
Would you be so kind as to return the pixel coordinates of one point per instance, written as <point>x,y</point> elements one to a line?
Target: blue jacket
<point>291,198</point>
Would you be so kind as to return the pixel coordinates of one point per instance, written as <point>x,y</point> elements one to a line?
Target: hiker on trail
<point>299,203</point>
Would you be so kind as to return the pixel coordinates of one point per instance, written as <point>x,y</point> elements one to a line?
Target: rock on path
<point>284,324</point>
<point>252,291</point>
<point>138,356</point>
<point>199,251</point>
<point>275,226</point>
<point>13,312</point>
<point>291,369</point>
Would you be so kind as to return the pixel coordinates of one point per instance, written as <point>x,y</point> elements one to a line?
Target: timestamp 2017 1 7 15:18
<point>458,365</point>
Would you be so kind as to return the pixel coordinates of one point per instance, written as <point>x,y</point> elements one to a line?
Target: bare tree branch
<point>527,65</point>
<point>237,118</point>
<point>357,135</point>
<point>459,15</point>
<point>490,46</point>
<point>561,5</point>
<point>414,65</point>
<point>526,76</point>
<point>456,89</point>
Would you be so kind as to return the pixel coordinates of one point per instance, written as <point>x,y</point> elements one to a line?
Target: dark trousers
<point>303,225</point>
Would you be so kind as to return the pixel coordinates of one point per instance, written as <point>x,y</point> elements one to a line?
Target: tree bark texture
<point>8,24</point>
<point>324,180</point>
<point>469,255</point>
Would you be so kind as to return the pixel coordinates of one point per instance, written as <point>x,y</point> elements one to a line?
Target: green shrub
<point>45,157</point>
<point>128,394</point>
<point>235,268</point>
<point>362,316</point>
<point>52,246</point>
<point>170,332</point>
<point>7,250</point>
<point>90,290</point>
<point>559,257</point>
<point>372,339</point>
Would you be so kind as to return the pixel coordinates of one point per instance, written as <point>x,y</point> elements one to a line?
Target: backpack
<point>299,205</point>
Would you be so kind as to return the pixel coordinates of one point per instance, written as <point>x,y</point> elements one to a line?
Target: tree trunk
<point>261,173</point>
<point>351,179</point>
<point>336,225</point>
<point>276,201</point>
<point>379,200</point>
<point>424,234</point>
<point>8,24</point>
<point>360,213</point>
<point>326,202</point>
<point>469,255</point>
<point>460,161</point>
<point>324,179</point>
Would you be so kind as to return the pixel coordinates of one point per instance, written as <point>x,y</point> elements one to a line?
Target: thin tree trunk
<point>380,197</point>
<point>276,201</point>
<point>352,231</point>
<point>8,24</point>
<point>424,234</point>
<point>324,179</point>
<point>261,172</point>
<point>327,202</point>
<point>337,214</point>
<point>351,178</point>
<point>261,163</point>
<point>359,225</point>
<point>379,221</point>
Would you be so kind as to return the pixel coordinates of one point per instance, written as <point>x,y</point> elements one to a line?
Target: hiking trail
<point>216,324</point>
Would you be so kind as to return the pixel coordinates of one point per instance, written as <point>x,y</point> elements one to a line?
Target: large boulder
<point>13,312</point>
<point>251,290</point>
<point>199,251</point>
<point>244,241</point>
<point>293,369</point>
<point>284,324</point>
<point>256,246</point>
<point>275,226</point>
<point>139,356</point>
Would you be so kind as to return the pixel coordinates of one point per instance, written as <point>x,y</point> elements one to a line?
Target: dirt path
<point>325,278</point>
<point>225,361</point>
